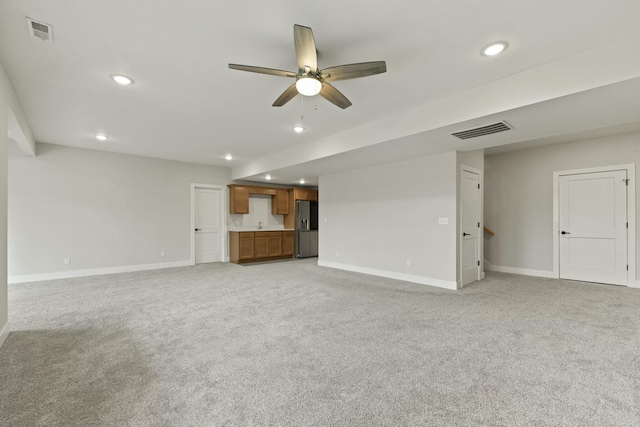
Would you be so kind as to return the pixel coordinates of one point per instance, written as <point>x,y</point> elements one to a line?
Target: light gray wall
<point>4,142</point>
<point>9,106</point>
<point>519,195</point>
<point>381,216</point>
<point>100,209</point>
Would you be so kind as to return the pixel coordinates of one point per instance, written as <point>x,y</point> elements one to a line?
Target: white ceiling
<point>187,105</point>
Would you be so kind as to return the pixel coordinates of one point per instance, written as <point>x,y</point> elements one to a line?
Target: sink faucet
<point>260,225</point>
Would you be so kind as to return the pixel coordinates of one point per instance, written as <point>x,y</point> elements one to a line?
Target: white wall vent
<point>40,30</point>
<point>483,130</point>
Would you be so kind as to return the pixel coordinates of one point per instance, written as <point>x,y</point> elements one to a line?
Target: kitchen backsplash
<point>259,211</point>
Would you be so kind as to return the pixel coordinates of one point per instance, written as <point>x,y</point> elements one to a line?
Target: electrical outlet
<point>408,263</point>
<point>443,221</point>
<point>162,253</point>
<point>67,260</point>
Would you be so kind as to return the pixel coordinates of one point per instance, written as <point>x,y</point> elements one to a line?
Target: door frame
<point>480,240</point>
<point>631,215</point>
<point>223,226</point>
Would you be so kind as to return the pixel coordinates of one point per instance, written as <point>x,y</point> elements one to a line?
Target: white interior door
<point>470,227</point>
<point>208,225</point>
<point>593,227</point>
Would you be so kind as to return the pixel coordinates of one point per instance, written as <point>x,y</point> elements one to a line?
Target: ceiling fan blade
<point>305,48</point>
<point>334,96</point>
<point>286,96</point>
<point>353,71</point>
<point>262,70</point>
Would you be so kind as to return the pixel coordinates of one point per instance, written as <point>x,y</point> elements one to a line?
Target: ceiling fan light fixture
<point>308,86</point>
<point>494,48</point>
<point>228,157</point>
<point>298,129</point>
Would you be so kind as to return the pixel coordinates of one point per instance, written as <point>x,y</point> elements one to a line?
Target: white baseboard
<point>636,285</point>
<point>4,333</point>
<point>522,271</point>
<point>95,272</point>
<point>392,275</point>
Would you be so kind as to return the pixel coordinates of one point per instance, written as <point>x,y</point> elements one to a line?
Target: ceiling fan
<point>310,80</point>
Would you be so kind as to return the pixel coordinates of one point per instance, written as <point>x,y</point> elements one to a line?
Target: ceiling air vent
<point>483,130</point>
<point>40,30</point>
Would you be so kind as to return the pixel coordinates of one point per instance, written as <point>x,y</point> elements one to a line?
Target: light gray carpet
<point>296,344</point>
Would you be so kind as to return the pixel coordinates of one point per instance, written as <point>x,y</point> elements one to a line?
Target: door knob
<point>565,232</point>
<point>198,229</point>
<point>465,234</point>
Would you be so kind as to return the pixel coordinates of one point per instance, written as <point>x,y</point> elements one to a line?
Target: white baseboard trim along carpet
<point>536,273</point>
<point>4,333</point>
<point>521,271</point>
<point>94,272</point>
<point>392,275</point>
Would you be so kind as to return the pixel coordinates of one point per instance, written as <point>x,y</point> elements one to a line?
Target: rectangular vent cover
<point>40,30</point>
<point>483,130</point>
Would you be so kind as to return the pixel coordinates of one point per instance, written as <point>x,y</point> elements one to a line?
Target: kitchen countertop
<point>263,229</point>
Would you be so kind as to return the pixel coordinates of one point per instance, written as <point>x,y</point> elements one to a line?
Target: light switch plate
<point>443,221</point>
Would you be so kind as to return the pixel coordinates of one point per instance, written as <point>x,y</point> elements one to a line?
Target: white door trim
<point>478,172</point>
<point>223,210</point>
<point>631,215</point>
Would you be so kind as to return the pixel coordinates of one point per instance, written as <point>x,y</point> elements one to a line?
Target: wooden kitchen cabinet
<point>241,246</point>
<point>252,246</point>
<point>303,194</point>
<point>238,200</point>
<point>280,203</point>
<point>246,246</point>
<point>288,242</point>
<point>261,247</point>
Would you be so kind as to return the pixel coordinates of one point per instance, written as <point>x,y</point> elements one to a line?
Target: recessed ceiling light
<point>228,157</point>
<point>120,79</point>
<point>494,48</point>
<point>298,129</point>
<point>302,181</point>
<point>267,177</point>
<point>101,137</point>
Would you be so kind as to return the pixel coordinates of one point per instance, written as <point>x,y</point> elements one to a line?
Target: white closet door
<point>593,227</point>
<point>208,238</point>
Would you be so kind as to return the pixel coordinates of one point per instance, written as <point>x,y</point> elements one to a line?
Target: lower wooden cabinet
<point>288,243</point>
<point>246,247</point>
<point>250,246</point>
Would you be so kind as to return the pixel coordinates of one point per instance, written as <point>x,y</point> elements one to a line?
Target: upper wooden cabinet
<point>238,200</point>
<point>280,203</point>
<point>304,194</point>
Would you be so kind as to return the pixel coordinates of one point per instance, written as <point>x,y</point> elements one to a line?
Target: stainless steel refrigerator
<point>306,229</point>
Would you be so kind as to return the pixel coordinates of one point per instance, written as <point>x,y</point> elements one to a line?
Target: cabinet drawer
<point>246,234</point>
<point>288,233</point>
<point>268,233</point>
